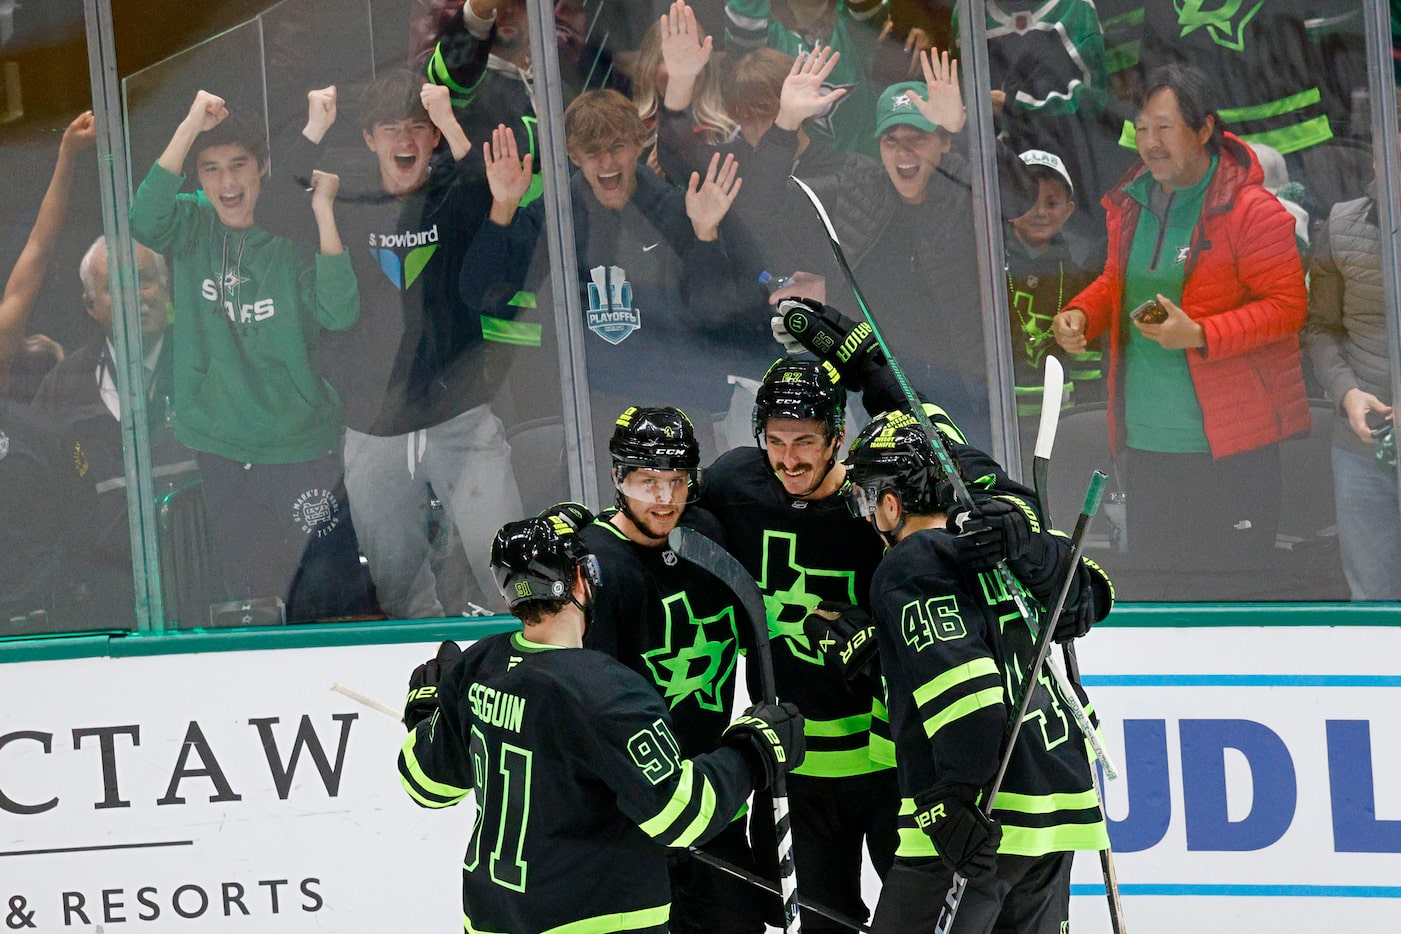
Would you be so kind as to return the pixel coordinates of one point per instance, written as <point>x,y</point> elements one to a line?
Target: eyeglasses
<point>653,489</point>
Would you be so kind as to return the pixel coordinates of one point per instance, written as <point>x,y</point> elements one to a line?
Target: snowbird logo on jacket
<point>610,313</point>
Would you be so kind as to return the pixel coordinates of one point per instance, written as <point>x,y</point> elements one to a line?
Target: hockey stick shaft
<point>1009,582</point>
<point>760,882</point>
<point>1028,686</point>
<point>1053,391</point>
<point>699,550</point>
<point>1106,855</point>
<point>1043,639</point>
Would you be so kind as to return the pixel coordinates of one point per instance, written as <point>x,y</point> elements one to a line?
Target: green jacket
<point>248,311</point>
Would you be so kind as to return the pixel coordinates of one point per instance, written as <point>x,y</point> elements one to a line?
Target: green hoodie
<point>249,308</point>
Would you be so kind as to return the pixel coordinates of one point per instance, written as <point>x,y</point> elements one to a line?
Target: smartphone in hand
<point>1150,312</point>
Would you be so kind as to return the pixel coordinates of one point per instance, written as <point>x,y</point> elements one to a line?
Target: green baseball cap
<point>895,107</point>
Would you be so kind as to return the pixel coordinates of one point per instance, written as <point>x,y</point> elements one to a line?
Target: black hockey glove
<point>848,345</point>
<point>1082,608</point>
<point>846,637</point>
<point>771,738</point>
<point>965,838</point>
<point>997,528</point>
<point>423,684</point>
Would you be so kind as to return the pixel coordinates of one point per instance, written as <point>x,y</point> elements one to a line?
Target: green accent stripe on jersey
<point>1272,109</point>
<point>1038,841</point>
<point>1286,139</point>
<point>1122,57</point>
<point>880,747</point>
<point>522,299</point>
<point>519,333</point>
<point>426,791</point>
<point>846,726</point>
<point>1017,841</point>
<point>658,827</point>
<point>914,843</point>
<point>704,818</point>
<point>603,523</point>
<point>991,697</point>
<point>1020,840</point>
<point>438,74</point>
<point>519,641</point>
<point>602,924</point>
<point>839,763</point>
<point>1293,138</point>
<point>882,751</point>
<point>1047,804</point>
<point>978,668</point>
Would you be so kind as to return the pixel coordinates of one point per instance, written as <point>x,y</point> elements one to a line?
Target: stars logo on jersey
<point>231,280</point>
<point>1182,253</point>
<point>822,123</point>
<point>792,591</point>
<point>610,314</point>
<point>1223,22</point>
<point>700,668</point>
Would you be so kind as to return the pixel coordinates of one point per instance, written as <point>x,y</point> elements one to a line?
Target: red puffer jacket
<point>1244,286</point>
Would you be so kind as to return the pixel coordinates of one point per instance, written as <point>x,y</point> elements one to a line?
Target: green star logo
<point>701,667</point>
<point>1223,21</point>
<point>792,591</point>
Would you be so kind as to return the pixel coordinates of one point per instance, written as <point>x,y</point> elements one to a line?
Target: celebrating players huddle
<point>600,733</point>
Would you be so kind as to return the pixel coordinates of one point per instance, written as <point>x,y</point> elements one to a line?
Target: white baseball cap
<point>1051,161</point>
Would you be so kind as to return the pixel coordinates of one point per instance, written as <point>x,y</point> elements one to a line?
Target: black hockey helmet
<point>800,389</point>
<point>893,453</point>
<point>659,438</point>
<point>534,559</point>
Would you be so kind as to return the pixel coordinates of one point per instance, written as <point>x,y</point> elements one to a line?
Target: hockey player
<point>570,755</point>
<point>954,655</point>
<point>785,518</point>
<point>677,626</point>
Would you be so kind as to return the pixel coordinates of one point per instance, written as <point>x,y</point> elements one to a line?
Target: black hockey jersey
<point>800,553</point>
<point>953,651</point>
<point>672,623</point>
<point>575,771</point>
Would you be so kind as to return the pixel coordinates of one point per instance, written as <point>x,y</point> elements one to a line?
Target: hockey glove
<point>997,528</point>
<point>423,684</point>
<point>846,637</point>
<point>1083,604</point>
<point>771,738</point>
<point>964,836</point>
<point>791,345</point>
<point>848,345</point>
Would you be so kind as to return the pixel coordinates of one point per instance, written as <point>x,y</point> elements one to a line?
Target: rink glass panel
<point>966,358</point>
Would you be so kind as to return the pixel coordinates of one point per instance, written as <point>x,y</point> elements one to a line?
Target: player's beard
<point>644,526</point>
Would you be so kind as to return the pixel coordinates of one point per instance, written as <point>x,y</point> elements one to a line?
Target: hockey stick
<point>699,550</point>
<point>1051,395</point>
<point>1009,582</point>
<point>760,882</point>
<point>369,702</point>
<point>1043,645</point>
<point>1052,392</point>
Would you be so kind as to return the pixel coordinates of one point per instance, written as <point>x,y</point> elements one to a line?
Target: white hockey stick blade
<point>369,702</point>
<point>1051,396</point>
<point>817,203</point>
